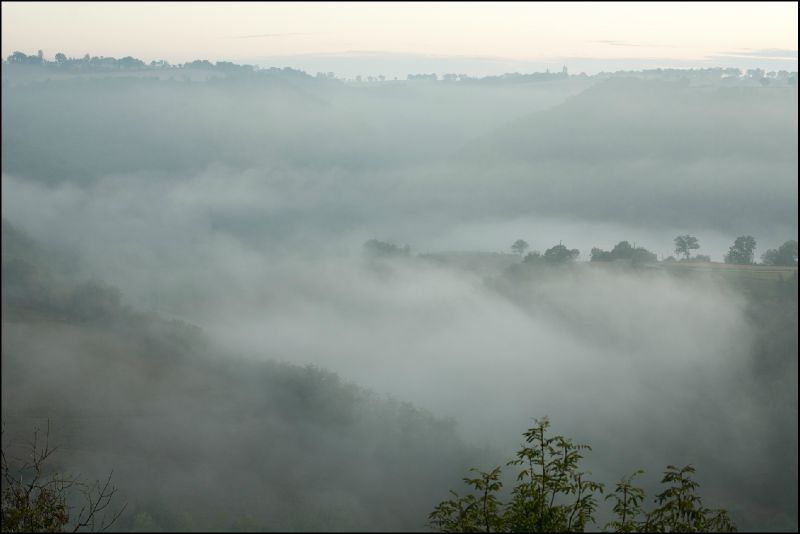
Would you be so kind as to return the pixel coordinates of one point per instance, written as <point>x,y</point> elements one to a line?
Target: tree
<point>680,509</point>
<point>742,251</point>
<point>599,254</point>
<point>553,495</point>
<point>21,58</point>
<point>641,255</point>
<point>627,506</point>
<point>61,58</point>
<point>685,244</point>
<point>129,62</point>
<point>532,257</point>
<point>377,249</point>
<point>560,254</point>
<point>785,255</point>
<point>199,64</point>
<point>519,247</point>
<point>624,251</point>
<point>550,469</point>
<point>35,501</point>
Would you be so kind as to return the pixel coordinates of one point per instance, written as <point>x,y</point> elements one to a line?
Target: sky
<point>476,38</point>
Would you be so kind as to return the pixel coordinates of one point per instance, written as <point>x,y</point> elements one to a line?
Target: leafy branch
<point>553,495</point>
<point>33,501</point>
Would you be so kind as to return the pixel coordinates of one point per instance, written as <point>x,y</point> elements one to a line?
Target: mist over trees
<point>537,147</point>
<point>742,251</point>
<point>785,255</point>
<point>685,244</point>
<point>274,300</point>
<point>624,251</point>
<point>376,248</point>
<point>520,246</point>
<point>39,500</point>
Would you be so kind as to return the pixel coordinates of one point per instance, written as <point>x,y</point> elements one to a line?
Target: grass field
<point>750,272</point>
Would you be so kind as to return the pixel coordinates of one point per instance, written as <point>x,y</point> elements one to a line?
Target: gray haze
<point>237,205</point>
<point>391,65</point>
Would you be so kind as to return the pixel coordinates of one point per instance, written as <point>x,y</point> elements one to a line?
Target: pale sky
<point>247,32</point>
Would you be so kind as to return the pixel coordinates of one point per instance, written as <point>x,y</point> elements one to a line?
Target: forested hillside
<point>268,300</point>
<point>283,447</point>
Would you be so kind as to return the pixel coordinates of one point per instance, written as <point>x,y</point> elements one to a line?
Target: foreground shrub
<point>553,495</point>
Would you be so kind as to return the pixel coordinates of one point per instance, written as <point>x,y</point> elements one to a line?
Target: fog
<point>223,218</point>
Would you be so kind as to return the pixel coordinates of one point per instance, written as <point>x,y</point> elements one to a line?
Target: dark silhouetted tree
<point>598,254</point>
<point>742,251</point>
<point>784,255</point>
<point>560,254</point>
<point>21,58</point>
<point>519,247</point>
<point>685,244</point>
<point>624,251</point>
<point>641,255</point>
<point>532,257</point>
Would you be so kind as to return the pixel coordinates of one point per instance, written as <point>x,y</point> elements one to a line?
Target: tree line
<point>88,62</point>
<point>742,252</point>
<point>707,74</point>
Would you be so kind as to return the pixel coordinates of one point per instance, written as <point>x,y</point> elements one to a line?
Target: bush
<point>35,501</point>
<point>553,495</point>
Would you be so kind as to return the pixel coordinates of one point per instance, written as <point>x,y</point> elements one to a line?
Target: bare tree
<point>33,500</point>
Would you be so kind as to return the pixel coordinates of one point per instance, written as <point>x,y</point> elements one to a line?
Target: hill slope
<point>201,439</point>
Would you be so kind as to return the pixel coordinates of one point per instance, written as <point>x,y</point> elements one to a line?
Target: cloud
<point>265,35</point>
<point>761,53</point>
<point>612,42</point>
